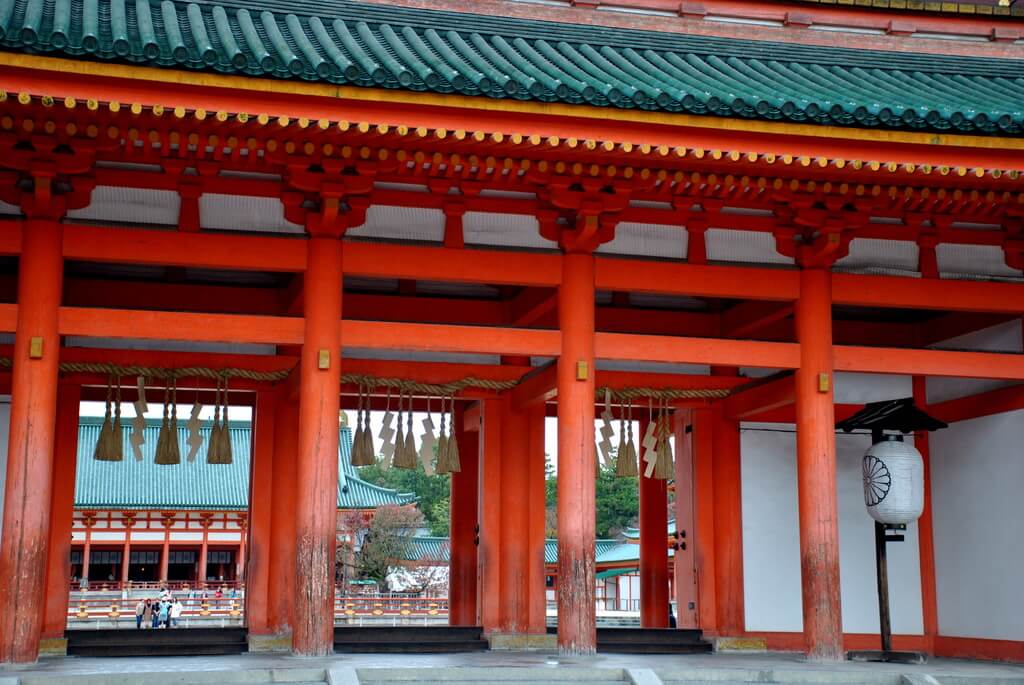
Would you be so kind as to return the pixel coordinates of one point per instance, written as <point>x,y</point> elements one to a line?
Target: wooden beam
<point>8,318</point>
<point>10,238</point>
<point>381,335</point>
<point>531,305</point>
<point>679,278</point>
<point>929,362</point>
<point>170,248</point>
<point>918,293</point>
<point>93,322</point>
<point>414,262</point>
<point>988,403</point>
<point>747,318</point>
<point>713,351</point>
<point>540,385</point>
<point>760,398</point>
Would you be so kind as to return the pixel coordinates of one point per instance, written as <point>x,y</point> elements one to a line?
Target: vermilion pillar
<point>317,458</point>
<point>26,523</point>
<point>816,468</point>
<point>462,607</point>
<point>701,441</point>
<point>684,563</point>
<point>62,509</point>
<point>489,554</point>
<point>728,514</point>
<point>654,598</point>
<point>281,585</point>
<point>522,506</point>
<point>577,632</point>
<point>261,501</point>
<point>925,530</point>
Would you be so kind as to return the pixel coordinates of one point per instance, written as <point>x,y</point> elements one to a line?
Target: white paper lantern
<point>893,482</point>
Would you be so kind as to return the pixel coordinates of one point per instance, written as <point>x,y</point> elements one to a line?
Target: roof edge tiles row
<point>498,57</point>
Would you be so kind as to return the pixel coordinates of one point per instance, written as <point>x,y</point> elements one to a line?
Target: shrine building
<point>698,233</point>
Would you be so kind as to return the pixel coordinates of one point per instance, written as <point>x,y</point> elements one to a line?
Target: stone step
<point>490,682</point>
<point>503,676</point>
<point>256,676</point>
<point>423,647</point>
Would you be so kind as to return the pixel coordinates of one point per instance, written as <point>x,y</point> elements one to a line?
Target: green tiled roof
<point>634,533</point>
<point>430,548</point>
<point>380,46</point>
<point>130,484</point>
<point>551,549</point>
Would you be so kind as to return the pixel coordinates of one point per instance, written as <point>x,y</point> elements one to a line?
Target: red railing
<point>176,586</point>
<point>363,606</point>
<point>124,609</point>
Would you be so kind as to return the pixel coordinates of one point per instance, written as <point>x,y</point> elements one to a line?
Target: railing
<point>123,610</point>
<point>172,585</point>
<point>350,607</point>
<point>609,605</point>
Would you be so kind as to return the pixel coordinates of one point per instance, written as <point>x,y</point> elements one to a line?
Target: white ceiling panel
<point>751,247</point>
<point>503,230</point>
<point>973,262</point>
<point>168,345</point>
<point>130,206</point>
<point>647,240</point>
<point>236,213</point>
<point>868,255</point>
<point>9,210</point>
<point>386,222</point>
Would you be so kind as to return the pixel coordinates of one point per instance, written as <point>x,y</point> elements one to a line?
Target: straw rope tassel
<point>664,468</point>
<point>173,446</point>
<point>454,465</point>
<point>103,450</point>
<point>443,465</point>
<point>117,433</point>
<point>356,458</point>
<point>226,457</point>
<point>622,466</point>
<point>211,447</point>
<point>162,457</point>
<point>369,449</point>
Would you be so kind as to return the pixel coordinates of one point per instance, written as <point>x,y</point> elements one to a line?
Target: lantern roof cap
<point>893,415</point>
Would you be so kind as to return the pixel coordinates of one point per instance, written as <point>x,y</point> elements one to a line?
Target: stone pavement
<point>703,668</point>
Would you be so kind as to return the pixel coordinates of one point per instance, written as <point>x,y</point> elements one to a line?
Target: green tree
<point>440,517</point>
<point>387,542</point>
<point>617,499</point>
<point>429,491</point>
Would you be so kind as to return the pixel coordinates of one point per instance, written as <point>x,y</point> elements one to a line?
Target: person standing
<point>140,610</point>
<point>147,613</point>
<point>176,609</point>
<point>156,613</point>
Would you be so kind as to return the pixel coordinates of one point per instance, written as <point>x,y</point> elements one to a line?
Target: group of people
<point>162,612</point>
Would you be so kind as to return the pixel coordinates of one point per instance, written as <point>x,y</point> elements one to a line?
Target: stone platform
<point>536,668</point>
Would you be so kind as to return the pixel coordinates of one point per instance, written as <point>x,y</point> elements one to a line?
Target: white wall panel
<point>387,222</point>
<point>859,388</point>
<point>1005,337</point>
<point>503,230</point>
<point>727,245</point>
<point>868,255</point>
<point>647,240</point>
<point>771,540</point>
<point>973,262</point>
<point>238,213</point>
<point>131,206</point>
<point>977,472</point>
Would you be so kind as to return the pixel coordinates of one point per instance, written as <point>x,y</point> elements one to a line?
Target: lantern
<point>893,481</point>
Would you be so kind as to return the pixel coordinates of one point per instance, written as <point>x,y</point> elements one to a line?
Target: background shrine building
<point>736,221</point>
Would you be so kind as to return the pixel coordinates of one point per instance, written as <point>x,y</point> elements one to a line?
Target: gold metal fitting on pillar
<point>582,370</point>
<point>323,360</point>
<point>823,382</point>
<point>35,348</point>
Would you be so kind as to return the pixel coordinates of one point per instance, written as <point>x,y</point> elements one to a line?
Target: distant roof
<point>196,485</point>
<point>634,533</point>
<point>601,547</point>
<point>430,548</point>
<point>416,49</point>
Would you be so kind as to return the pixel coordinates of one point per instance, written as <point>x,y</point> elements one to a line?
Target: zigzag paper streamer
<point>427,442</point>
<point>387,436</point>
<point>195,438</point>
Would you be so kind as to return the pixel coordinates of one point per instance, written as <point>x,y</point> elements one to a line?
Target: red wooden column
<point>577,632</point>
<point>522,536</point>
<point>489,552</point>
<point>261,501</point>
<point>925,528</point>
<point>62,509</point>
<point>654,598</point>
<point>703,541</point>
<point>165,552</point>
<point>317,459</point>
<point>684,564</point>
<point>816,468</point>
<point>26,523</point>
<point>728,515</point>
<point>464,499</point>
<point>281,586</point>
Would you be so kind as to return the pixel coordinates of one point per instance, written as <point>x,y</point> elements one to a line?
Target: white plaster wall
<point>977,473</point>
<point>5,424</point>
<point>771,539</point>
<point>1005,337</point>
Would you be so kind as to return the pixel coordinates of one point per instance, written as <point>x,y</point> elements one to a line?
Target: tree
<point>617,499</point>
<point>386,543</point>
<point>429,491</point>
<point>440,517</point>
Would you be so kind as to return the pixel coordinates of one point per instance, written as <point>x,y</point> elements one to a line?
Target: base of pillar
<point>739,644</point>
<point>519,642</point>
<point>53,646</point>
<point>277,643</point>
<point>889,657</point>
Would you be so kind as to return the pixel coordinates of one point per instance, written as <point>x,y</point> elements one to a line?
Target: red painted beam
<point>538,386</point>
<point>929,362</point>
<point>761,398</point>
<point>916,293</point>
<point>228,328</point>
<point>982,404</point>
<point>8,318</point>
<point>679,278</point>
<point>448,338</point>
<point>747,318</point>
<point>714,351</point>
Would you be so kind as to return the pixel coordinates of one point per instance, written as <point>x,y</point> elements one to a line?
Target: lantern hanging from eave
<point>893,481</point>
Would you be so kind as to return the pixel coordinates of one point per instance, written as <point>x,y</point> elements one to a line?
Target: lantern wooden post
<point>654,597</point>
<point>464,502</point>
<point>26,522</point>
<point>577,633</point>
<point>257,570</point>
<point>317,458</point>
<point>62,510</point>
<point>816,468</point>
